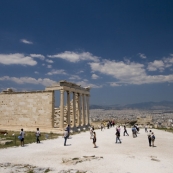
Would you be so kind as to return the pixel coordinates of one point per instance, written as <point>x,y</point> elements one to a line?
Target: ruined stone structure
<point>77,113</point>
<point>30,110</point>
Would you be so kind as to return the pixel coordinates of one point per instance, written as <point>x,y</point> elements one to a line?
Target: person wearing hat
<point>65,136</point>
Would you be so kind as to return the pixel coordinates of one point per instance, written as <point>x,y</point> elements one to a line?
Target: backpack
<point>153,137</point>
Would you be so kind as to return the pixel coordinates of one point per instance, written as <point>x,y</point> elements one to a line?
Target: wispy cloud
<point>16,58</point>
<point>75,57</point>
<point>141,55</point>
<point>29,80</point>
<point>49,61</point>
<point>94,76</point>
<point>49,66</point>
<point>54,72</point>
<point>85,83</point>
<point>37,56</point>
<point>26,41</point>
<point>74,77</point>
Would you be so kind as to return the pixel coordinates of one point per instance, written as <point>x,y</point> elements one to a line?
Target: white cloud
<point>29,80</point>
<point>49,61</point>
<point>129,73</point>
<point>86,84</point>
<point>156,65</point>
<point>53,72</point>
<point>16,58</point>
<point>141,55</point>
<point>94,76</point>
<point>75,57</point>
<point>36,72</point>
<point>26,41</point>
<point>114,84</point>
<point>37,56</point>
<point>49,66</point>
<point>74,77</point>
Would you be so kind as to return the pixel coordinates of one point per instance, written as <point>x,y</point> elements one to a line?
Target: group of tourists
<point>22,136</point>
<point>66,134</point>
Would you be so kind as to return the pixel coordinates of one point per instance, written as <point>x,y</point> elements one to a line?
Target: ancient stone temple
<point>30,110</point>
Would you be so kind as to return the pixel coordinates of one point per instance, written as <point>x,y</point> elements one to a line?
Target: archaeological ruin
<point>30,110</point>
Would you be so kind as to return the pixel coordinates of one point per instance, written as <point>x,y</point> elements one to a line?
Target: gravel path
<point>132,156</point>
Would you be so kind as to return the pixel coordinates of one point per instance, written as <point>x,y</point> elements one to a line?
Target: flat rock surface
<point>133,155</point>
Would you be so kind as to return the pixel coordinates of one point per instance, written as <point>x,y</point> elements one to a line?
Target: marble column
<point>83,109</point>
<point>79,109</point>
<point>68,107</point>
<point>87,109</point>
<point>74,109</point>
<point>61,108</point>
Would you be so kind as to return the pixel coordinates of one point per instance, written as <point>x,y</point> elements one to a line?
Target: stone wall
<point>27,109</point>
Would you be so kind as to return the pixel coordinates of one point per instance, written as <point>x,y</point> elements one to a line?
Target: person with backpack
<point>22,134</point>
<point>152,138</point>
<point>38,134</point>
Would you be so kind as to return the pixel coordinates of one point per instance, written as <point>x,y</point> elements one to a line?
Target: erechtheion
<point>30,110</point>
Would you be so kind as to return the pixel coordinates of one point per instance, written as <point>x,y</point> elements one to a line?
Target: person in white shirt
<point>22,134</point>
<point>38,135</point>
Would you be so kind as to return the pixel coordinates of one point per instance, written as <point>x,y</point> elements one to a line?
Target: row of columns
<point>83,114</point>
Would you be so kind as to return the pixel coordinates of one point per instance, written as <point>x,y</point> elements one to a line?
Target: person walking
<point>125,131</point>
<point>68,130</point>
<point>38,134</point>
<point>65,136</point>
<point>22,134</point>
<point>101,126</point>
<point>152,139</point>
<point>149,137</point>
<point>117,136</point>
<point>94,139</point>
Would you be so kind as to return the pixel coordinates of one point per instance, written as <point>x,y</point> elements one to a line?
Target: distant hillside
<point>163,105</point>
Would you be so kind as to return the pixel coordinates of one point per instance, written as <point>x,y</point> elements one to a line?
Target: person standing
<point>38,134</point>
<point>91,132</point>
<point>94,139</point>
<point>152,138</point>
<point>149,137</point>
<point>146,129</point>
<point>117,136</point>
<point>125,131</point>
<point>22,134</point>
<point>65,136</point>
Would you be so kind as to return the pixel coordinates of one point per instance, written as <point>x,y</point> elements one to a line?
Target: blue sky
<point>123,49</point>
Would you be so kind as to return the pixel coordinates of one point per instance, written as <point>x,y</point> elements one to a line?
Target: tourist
<point>119,128</point>
<point>108,125</point>
<point>125,131</point>
<point>94,139</point>
<point>117,136</point>
<point>113,123</point>
<point>146,129</point>
<point>68,130</point>
<point>134,131</point>
<point>91,132</point>
<point>38,134</point>
<point>149,137</point>
<point>152,138</point>
<point>101,126</point>
<point>65,136</point>
<point>22,134</point>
